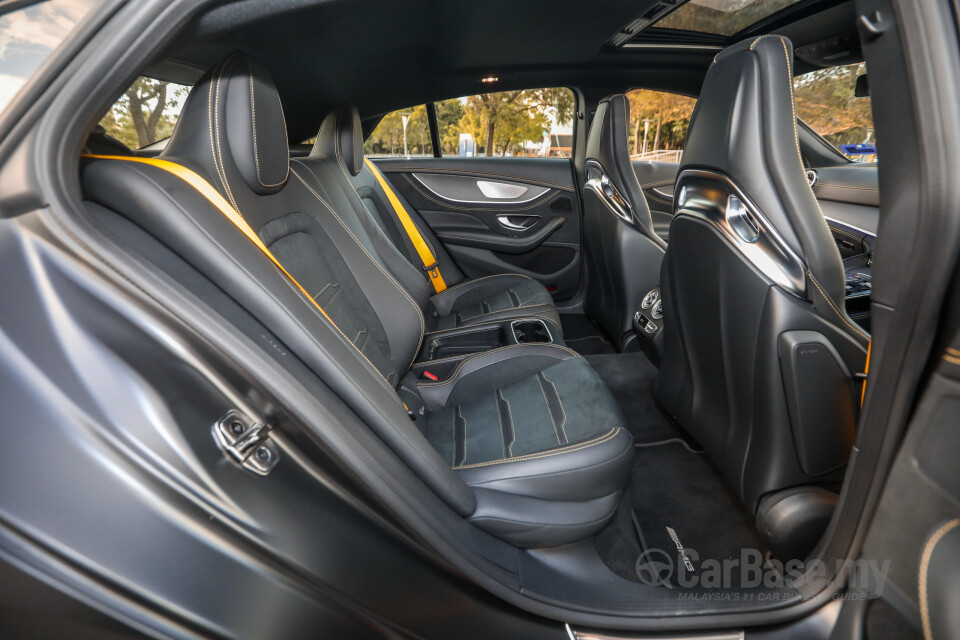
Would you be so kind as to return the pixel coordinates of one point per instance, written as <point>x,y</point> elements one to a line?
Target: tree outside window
<point>145,113</point>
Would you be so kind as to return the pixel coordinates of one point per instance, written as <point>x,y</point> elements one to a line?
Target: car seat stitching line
<point>610,435</point>
<point>842,232</point>
<point>213,124</point>
<point>461,429</point>
<point>833,306</point>
<point>256,152</point>
<point>218,160</point>
<point>510,426</point>
<point>556,394</point>
<point>923,574</point>
<point>546,405</point>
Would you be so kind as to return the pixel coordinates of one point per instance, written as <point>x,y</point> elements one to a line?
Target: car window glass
<point>29,35</point>
<point>531,123</point>
<point>401,133</point>
<point>146,112</point>
<point>658,124</point>
<point>826,101</point>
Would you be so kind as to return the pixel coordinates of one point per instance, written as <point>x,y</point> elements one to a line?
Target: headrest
<point>234,113</point>
<point>608,131</point>
<point>341,137</point>
<point>607,145</point>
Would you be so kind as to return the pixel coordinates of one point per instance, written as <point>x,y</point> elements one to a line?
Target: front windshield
<point>825,101</point>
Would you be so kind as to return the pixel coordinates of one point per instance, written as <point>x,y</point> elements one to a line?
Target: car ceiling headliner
<point>381,55</point>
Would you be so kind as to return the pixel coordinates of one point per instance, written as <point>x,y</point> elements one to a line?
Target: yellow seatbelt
<point>211,194</point>
<point>426,256</point>
<point>866,372</point>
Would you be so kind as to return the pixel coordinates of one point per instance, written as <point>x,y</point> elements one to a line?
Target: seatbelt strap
<point>213,196</point>
<point>866,372</point>
<point>423,249</point>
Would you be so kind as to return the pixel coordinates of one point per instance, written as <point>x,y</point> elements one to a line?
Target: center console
<point>463,341</point>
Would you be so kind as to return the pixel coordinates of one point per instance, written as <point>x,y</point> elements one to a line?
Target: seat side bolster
<point>580,471</point>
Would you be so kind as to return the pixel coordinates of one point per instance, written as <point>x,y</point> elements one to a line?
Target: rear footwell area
<point>678,511</point>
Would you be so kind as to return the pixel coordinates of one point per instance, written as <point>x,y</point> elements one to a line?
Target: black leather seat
<point>525,441</point>
<point>623,251</point>
<point>337,155</point>
<point>759,352</point>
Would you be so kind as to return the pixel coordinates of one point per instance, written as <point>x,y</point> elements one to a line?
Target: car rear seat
<point>525,441</point>
<point>337,156</point>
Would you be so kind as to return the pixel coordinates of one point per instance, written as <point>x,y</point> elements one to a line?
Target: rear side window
<point>534,123</point>
<point>29,35</point>
<point>401,133</point>
<point>826,100</point>
<point>658,124</point>
<point>146,112</point>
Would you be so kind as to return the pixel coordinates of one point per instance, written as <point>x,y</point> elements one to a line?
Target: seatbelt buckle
<point>433,269</point>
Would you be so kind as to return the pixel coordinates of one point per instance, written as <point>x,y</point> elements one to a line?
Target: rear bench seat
<point>337,156</point>
<point>525,441</point>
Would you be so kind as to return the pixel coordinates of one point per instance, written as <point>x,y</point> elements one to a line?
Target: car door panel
<point>917,524</point>
<point>499,215</point>
<point>850,201</point>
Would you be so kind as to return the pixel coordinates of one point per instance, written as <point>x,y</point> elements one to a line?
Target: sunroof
<point>721,17</point>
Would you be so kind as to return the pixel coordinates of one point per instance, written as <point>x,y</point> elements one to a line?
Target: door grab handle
<point>517,223</point>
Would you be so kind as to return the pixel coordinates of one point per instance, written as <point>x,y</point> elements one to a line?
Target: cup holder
<point>528,331</point>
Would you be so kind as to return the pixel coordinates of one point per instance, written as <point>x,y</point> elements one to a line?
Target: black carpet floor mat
<point>677,498</point>
<point>583,336</point>
<point>678,507</point>
<point>631,377</point>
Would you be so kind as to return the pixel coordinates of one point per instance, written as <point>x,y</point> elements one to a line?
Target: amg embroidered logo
<point>681,550</point>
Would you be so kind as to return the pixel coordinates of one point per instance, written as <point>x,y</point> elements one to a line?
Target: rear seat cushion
<point>493,298</point>
<point>532,421</point>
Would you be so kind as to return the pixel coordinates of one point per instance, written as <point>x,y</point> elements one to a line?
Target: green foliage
<point>503,122</point>
<point>145,113</point>
<point>500,122</point>
<point>449,114</point>
<point>668,115</point>
<point>387,138</point>
<point>826,102</point>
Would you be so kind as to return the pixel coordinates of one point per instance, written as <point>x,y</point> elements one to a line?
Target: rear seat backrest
<point>231,133</point>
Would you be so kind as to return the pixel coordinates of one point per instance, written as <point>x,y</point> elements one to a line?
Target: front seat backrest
<point>745,127</point>
<point>758,350</point>
<point>623,252</point>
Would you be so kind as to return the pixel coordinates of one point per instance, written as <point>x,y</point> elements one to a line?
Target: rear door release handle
<point>517,223</point>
